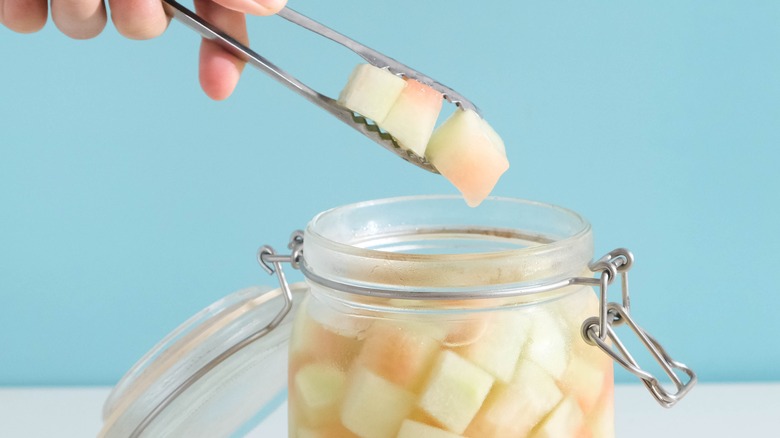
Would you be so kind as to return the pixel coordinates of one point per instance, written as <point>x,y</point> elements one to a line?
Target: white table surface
<point>722,410</point>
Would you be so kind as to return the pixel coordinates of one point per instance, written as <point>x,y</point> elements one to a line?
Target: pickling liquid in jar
<point>426,318</point>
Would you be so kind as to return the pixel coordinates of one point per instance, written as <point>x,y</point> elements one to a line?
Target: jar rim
<point>326,235</point>
<point>312,228</point>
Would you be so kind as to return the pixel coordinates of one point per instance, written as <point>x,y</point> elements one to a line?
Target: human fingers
<point>80,19</point>
<point>254,7</point>
<point>24,16</point>
<point>219,70</point>
<point>138,19</point>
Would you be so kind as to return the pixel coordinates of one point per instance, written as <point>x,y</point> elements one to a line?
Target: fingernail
<point>273,6</point>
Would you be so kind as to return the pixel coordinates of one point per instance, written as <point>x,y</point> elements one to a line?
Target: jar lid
<point>200,380</point>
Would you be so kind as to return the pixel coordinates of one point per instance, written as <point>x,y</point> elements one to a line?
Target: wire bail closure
<point>597,330</point>
<point>272,264</point>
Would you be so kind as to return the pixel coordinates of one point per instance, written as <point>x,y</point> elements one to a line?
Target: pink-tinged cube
<point>401,353</point>
<point>469,153</point>
<point>413,116</point>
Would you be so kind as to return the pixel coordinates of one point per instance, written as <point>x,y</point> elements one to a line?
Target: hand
<point>144,19</point>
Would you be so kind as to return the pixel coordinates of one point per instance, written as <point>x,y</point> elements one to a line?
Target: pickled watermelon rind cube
<point>443,390</point>
<point>465,149</point>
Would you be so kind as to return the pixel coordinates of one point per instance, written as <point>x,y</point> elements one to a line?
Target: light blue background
<point>128,200</point>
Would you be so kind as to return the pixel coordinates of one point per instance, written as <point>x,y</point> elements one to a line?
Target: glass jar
<point>426,316</point>
<point>419,317</point>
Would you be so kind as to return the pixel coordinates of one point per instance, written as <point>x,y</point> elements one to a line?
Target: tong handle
<point>241,51</point>
<point>357,122</point>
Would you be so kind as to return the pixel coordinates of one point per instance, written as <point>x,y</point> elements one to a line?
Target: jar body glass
<point>428,318</point>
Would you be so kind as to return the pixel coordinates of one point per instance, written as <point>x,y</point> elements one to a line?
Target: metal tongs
<point>354,120</point>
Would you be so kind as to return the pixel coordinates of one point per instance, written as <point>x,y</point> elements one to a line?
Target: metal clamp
<point>596,330</point>
<point>272,264</point>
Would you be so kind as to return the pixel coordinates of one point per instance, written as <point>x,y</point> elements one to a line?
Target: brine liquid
<point>513,372</point>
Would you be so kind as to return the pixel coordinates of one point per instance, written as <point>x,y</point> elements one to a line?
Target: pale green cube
<point>455,391</point>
